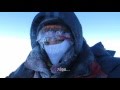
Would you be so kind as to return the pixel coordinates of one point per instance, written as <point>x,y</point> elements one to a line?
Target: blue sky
<point>15,40</point>
<point>15,24</point>
<point>101,26</point>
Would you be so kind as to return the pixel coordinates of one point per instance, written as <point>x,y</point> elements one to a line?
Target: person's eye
<point>59,32</point>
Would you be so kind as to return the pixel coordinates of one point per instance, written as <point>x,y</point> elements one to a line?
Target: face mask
<point>56,52</point>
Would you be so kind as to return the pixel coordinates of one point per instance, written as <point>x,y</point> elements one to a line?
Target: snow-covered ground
<point>13,52</point>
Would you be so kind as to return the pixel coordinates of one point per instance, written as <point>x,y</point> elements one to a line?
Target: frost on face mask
<point>53,36</point>
<point>56,41</point>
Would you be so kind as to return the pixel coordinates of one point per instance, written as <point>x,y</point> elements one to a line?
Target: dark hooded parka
<point>81,61</point>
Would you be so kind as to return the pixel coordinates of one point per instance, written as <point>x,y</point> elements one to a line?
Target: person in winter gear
<point>59,50</point>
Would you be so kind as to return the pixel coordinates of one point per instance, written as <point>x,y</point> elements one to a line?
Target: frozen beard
<point>56,41</point>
